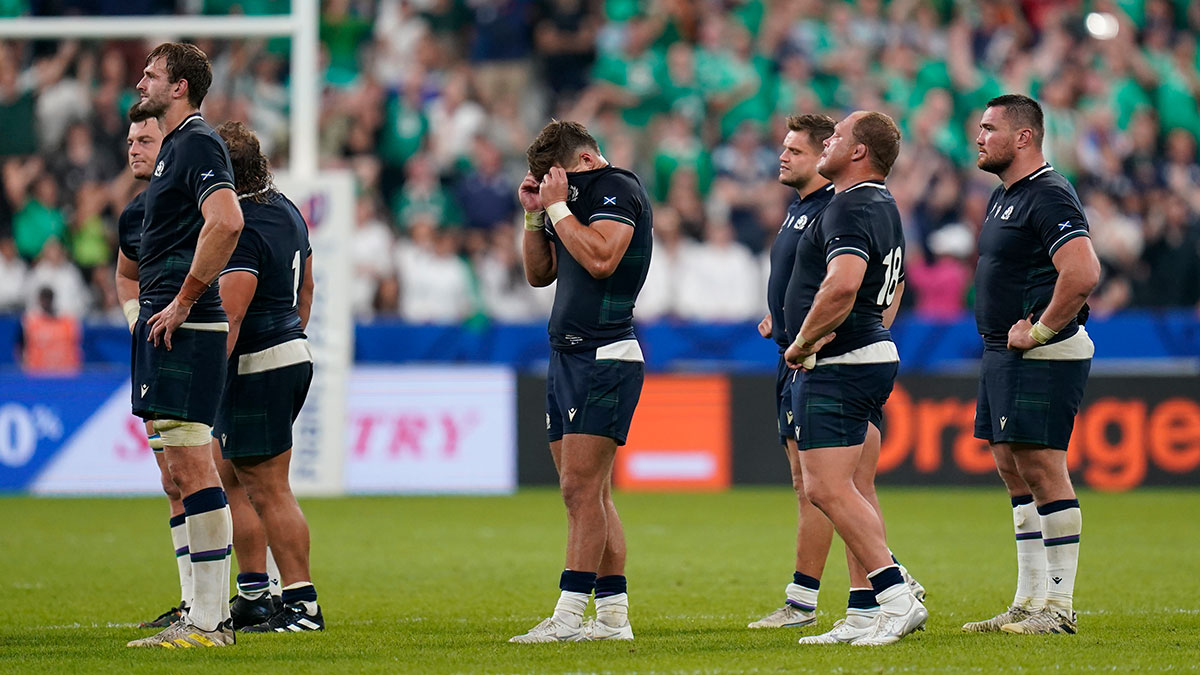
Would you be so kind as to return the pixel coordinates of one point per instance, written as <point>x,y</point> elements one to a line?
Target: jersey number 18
<point>891,277</point>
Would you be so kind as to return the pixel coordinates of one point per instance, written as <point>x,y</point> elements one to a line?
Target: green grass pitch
<point>437,585</point>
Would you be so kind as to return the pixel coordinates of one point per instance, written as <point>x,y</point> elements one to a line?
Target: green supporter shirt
<point>33,225</point>
<point>641,76</point>
<point>404,129</point>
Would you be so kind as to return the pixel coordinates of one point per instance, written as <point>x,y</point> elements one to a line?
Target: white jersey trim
<point>625,350</point>
<point>280,356</point>
<point>879,186</point>
<point>883,351</point>
<point>1078,347</point>
<point>213,326</point>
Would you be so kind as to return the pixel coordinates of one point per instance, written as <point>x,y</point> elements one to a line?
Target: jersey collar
<point>869,183</point>
<point>825,190</point>
<point>187,120</point>
<point>1045,168</point>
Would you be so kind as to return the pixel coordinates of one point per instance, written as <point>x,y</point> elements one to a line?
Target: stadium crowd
<point>431,104</point>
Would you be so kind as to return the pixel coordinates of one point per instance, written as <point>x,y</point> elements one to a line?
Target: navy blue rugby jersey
<point>273,247</point>
<point>861,220</point>
<point>590,312</point>
<point>1025,226</point>
<point>802,213</point>
<point>192,164</point>
<point>129,226</point>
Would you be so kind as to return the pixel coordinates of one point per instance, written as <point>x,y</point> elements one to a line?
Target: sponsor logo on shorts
<point>1003,421</point>
<point>145,388</point>
<point>571,414</point>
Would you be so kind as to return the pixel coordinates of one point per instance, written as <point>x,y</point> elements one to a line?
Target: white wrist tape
<point>130,308</point>
<point>557,211</point>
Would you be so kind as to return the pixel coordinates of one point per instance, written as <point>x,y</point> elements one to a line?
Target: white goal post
<point>325,197</point>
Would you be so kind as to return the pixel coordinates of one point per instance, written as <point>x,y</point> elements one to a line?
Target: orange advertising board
<point>680,438</point>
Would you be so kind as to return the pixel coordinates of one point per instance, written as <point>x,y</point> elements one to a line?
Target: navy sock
<point>203,501</point>
<point>613,584</point>
<point>577,582</point>
<point>886,578</point>
<point>178,520</point>
<point>1021,499</point>
<point>862,599</point>
<point>806,581</point>
<point>1055,507</point>
<point>253,584</point>
<point>306,593</point>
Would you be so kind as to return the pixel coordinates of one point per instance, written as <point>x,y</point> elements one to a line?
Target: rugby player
<point>144,139</point>
<point>847,274</point>
<point>802,148</point>
<point>597,246</point>
<point>1036,269</point>
<point>191,226</point>
<point>267,291</point>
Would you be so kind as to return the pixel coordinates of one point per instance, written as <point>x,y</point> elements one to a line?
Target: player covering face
<point>596,245</point>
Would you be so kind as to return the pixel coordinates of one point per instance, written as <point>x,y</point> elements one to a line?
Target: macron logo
<point>610,201</point>
<point>145,388</point>
<point>1003,421</point>
<point>1063,225</point>
<point>206,175</point>
<point>571,414</point>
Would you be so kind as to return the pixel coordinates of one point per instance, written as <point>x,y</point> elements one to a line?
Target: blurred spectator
<point>486,194</point>
<point>565,36</point>
<point>49,341</point>
<point>424,196</point>
<point>505,293</point>
<point>373,286</point>
<point>37,218</point>
<point>435,283</point>
<point>501,46</point>
<point>660,292</point>
<point>1171,259</point>
<point>454,121</point>
<point>12,277</point>
<point>941,285</point>
<point>719,279</point>
<point>54,270</point>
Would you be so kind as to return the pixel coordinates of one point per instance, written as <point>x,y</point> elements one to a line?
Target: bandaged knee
<point>156,442</point>
<point>180,434</point>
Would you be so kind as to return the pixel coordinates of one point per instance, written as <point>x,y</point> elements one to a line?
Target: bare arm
<point>831,306</point>
<point>127,287</point>
<point>218,238</point>
<point>889,314</point>
<point>237,290</point>
<point>305,298</point>
<point>1078,273</point>
<point>598,247</point>
<point>127,278</point>
<point>537,253</point>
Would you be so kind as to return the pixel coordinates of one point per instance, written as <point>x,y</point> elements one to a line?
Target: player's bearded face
<point>996,143</point>
<point>154,89</point>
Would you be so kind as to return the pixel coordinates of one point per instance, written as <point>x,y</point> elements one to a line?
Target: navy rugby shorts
<point>1028,400</point>
<point>834,403</point>
<point>590,395</point>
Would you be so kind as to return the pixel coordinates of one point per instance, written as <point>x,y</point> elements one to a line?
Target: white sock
<point>273,577</point>
<point>210,538</point>
<point>802,598</point>
<point>613,610</point>
<point>1060,532</point>
<point>569,609</point>
<point>861,618</point>
<point>179,539</point>
<point>896,599</point>
<point>1031,558</point>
